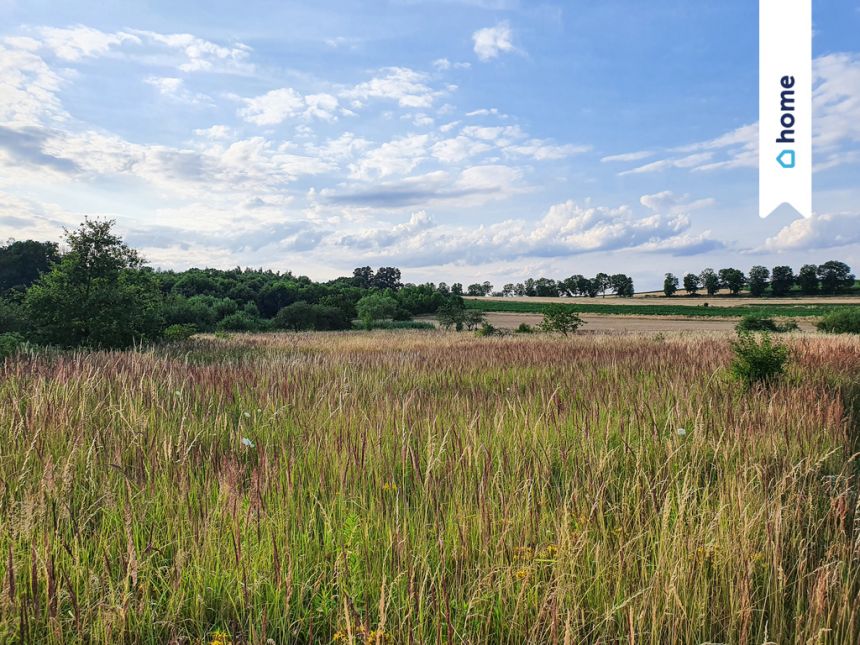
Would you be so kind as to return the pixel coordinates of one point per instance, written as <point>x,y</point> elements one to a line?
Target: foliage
<point>732,279</point>
<point>22,262</point>
<point>524,328</point>
<point>12,317</point>
<point>692,284</point>
<point>561,319</point>
<point>10,342</point>
<point>835,276</point>
<point>753,322</point>
<point>486,329</point>
<point>781,281</point>
<point>758,280</point>
<point>844,321</point>
<point>303,316</point>
<point>758,360</point>
<point>807,279</point>
<point>670,285</point>
<point>398,325</point>
<point>376,306</point>
<point>710,281</point>
<point>97,295</point>
<point>180,332</point>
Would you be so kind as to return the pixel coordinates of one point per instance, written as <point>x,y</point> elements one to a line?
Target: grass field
<point>632,307</point>
<point>423,487</point>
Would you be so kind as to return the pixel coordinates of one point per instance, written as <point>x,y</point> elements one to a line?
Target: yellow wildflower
<point>220,638</point>
<point>522,574</point>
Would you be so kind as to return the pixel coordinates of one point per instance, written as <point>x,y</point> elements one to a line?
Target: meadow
<point>682,308</point>
<point>429,487</point>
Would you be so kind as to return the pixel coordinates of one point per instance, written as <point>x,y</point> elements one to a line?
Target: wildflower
<point>338,636</point>
<point>549,552</point>
<point>681,432</point>
<point>389,487</point>
<point>177,393</point>
<point>247,414</point>
<point>376,636</point>
<point>522,574</point>
<point>247,442</point>
<point>523,553</point>
<point>220,638</point>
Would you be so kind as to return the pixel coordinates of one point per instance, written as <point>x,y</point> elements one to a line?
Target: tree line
<point>830,278</point>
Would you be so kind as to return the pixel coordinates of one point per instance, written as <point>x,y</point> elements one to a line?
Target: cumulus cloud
<point>817,232</point>
<point>489,42</point>
<point>276,106</point>
<point>407,87</point>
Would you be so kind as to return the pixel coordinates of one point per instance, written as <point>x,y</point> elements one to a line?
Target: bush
<point>176,333</point>
<point>486,329</point>
<point>559,318</point>
<point>239,321</point>
<point>845,321</point>
<point>754,322</point>
<point>758,361</point>
<point>301,316</point>
<point>524,328</point>
<point>10,342</point>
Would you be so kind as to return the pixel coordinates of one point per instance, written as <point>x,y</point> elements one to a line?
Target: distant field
<point>673,307</point>
<point>429,487</point>
<point>648,299</point>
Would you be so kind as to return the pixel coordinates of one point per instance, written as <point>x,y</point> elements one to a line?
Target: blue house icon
<point>786,158</point>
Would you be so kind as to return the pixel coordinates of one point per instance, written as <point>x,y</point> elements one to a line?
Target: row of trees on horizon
<point>829,278</point>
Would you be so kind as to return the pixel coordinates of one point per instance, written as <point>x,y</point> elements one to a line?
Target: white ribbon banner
<point>785,105</point>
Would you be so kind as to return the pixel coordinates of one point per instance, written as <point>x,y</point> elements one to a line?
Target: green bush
<point>486,329</point>
<point>175,333</point>
<point>524,328</point>
<point>10,342</point>
<point>758,361</point>
<point>239,321</point>
<point>845,321</point>
<point>756,322</point>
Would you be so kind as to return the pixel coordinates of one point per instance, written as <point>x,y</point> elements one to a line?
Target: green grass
<point>711,311</point>
<point>430,487</point>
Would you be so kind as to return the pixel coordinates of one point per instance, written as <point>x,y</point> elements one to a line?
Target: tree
<point>807,279</point>
<point>21,263</point>
<point>758,278</point>
<point>476,289</point>
<point>457,289</point>
<point>733,280</point>
<point>602,282</point>
<point>363,277</point>
<point>622,285</point>
<point>376,306</point>
<point>451,314</point>
<point>835,276</point>
<point>98,295</point>
<point>560,318</point>
<point>691,284</point>
<point>301,316</point>
<point>781,280</point>
<point>387,278</point>
<point>546,288</point>
<point>473,318</point>
<point>508,290</point>
<point>670,285</point>
<point>710,281</point>
<point>586,287</point>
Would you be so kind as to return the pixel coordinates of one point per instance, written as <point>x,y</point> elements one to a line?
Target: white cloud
<point>457,149</point>
<point>75,43</point>
<point>489,42</point>
<point>817,232</point>
<point>628,157</point>
<point>400,84</point>
<point>398,156</point>
<point>276,106</point>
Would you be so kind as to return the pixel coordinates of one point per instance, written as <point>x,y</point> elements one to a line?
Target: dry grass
<point>427,487</point>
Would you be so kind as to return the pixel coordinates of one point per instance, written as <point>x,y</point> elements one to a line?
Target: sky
<point>460,140</point>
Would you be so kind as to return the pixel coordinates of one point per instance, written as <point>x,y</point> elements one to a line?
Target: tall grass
<point>427,487</point>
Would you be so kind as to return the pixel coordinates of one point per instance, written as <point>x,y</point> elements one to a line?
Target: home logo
<point>785,106</point>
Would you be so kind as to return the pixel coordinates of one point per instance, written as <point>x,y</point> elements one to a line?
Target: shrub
<point>844,321</point>
<point>175,333</point>
<point>559,318</point>
<point>302,316</point>
<point>486,329</point>
<point>758,361</point>
<point>754,322</point>
<point>238,321</point>
<point>10,342</point>
<point>524,328</point>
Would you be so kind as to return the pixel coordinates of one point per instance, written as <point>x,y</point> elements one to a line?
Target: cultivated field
<point>423,487</point>
<point>654,298</point>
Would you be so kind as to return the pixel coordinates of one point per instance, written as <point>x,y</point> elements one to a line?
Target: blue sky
<point>461,140</point>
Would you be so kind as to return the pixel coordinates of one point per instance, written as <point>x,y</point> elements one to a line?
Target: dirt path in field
<point>597,323</point>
